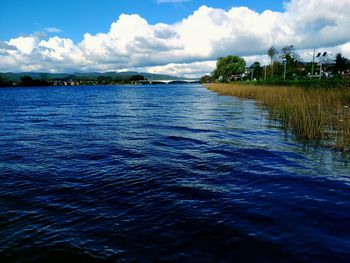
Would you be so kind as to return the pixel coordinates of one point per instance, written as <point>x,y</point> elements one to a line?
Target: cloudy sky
<point>178,37</point>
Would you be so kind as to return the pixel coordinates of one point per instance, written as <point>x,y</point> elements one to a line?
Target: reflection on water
<point>172,173</point>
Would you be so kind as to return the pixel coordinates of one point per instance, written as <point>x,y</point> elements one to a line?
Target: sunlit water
<point>162,173</point>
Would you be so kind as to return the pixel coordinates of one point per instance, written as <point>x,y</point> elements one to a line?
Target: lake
<point>171,173</point>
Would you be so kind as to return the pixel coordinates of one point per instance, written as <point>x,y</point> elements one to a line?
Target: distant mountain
<point>88,75</point>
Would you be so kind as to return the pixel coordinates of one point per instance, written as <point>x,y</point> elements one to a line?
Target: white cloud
<point>25,45</point>
<point>345,49</point>
<point>188,70</point>
<point>189,46</point>
<point>53,30</point>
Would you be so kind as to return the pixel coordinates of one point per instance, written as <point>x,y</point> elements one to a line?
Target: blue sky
<point>76,17</point>
<point>178,37</point>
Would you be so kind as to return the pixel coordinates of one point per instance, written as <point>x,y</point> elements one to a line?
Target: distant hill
<point>89,75</point>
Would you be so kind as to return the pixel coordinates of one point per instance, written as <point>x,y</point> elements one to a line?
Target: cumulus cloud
<point>24,45</point>
<point>345,49</point>
<point>190,46</point>
<point>188,70</point>
<point>5,46</point>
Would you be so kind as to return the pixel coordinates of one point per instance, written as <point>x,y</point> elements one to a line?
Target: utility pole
<point>265,73</point>
<point>285,69</point>
<point>251,77</point>
<point>322,56</point>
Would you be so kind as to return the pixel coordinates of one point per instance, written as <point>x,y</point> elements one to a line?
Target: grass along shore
<point>321,114</point>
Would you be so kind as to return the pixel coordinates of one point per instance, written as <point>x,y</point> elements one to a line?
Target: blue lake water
<point>171,173</point>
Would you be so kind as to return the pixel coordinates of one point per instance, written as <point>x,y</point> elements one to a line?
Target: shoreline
<point>314,114</point>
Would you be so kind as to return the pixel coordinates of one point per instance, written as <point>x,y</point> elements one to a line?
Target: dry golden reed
<point>310,113</point>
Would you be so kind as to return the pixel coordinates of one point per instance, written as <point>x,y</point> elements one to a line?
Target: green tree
<point>228,66</point>
<point>289,59</point>
<point>257,70</point>
<point>104,79</point>
<point>136,77</point>
<point>272,53</point>
<point>28,81</point>
<point>288,54</point>
<point>205,79</point>
<point>341,63</point>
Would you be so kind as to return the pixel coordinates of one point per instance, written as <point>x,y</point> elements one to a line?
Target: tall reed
<point>311,113</point>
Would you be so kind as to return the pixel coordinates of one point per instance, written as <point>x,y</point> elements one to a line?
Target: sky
<point>177,37</point>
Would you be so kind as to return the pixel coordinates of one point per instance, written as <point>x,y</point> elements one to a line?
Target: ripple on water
<point>162,173</point>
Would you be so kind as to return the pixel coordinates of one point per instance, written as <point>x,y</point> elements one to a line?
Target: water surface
<point>171,173</point>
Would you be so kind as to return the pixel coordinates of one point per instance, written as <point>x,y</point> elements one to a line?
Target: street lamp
<point>321,55</point>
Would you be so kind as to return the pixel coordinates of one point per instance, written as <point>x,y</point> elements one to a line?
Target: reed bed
<point>315,114</point>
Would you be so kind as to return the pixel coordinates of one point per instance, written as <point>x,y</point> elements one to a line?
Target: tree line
<point>285,65</point>
<point>28,81</point>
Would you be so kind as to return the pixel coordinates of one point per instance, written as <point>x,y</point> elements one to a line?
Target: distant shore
<point>33,79</point>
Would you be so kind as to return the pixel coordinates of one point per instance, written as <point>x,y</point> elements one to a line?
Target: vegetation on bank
<point>286,68</point>
<point>312,83</point>
<point>317,114</point>
<point>228,67</point>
